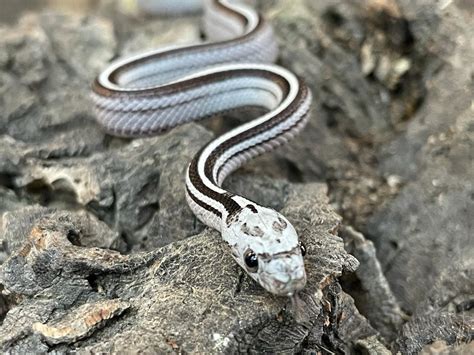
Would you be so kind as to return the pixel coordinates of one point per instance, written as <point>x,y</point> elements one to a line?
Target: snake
<point>233,69</point>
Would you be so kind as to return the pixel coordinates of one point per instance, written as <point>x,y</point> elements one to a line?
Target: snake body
<point>151,93</point>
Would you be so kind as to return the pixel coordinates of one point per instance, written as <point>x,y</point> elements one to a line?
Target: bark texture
<point>100,253</point>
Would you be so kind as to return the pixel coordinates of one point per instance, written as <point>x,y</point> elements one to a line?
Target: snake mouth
<point>286,285</point>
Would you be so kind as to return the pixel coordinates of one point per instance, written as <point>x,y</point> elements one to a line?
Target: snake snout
<point>294,284</point>
<point>285,275</point>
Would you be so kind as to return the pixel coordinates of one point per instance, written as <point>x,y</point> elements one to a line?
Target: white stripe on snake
<point>154,92</point>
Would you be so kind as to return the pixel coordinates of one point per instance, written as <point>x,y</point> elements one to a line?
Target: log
<point>100,253</point>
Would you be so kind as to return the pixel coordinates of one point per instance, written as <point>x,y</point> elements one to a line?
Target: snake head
<point>266,245</point>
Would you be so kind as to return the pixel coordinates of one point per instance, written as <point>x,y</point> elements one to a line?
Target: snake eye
<point>303,249</point>
<point>251,261</point>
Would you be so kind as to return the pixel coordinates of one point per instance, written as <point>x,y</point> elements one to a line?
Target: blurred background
<point>12,9</point>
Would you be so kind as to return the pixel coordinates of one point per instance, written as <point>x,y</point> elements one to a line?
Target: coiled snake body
<point>154,92</point>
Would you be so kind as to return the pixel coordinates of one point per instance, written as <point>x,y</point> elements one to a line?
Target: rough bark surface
<point>100,253</point>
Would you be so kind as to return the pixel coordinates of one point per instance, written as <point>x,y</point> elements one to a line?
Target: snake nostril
<point>299,274</point>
